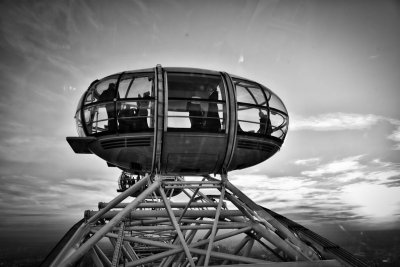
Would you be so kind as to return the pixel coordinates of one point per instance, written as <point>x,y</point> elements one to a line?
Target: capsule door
<point>195,135</point>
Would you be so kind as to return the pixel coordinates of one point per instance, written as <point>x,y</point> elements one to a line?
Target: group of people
<point>131,118</point>
<point>135,118</point>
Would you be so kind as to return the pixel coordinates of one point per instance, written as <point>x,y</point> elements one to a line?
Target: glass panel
<point>134,116</point>
<point>276,103</point>
<point>134,86</point>
<point>196,102</point>
<point>79,126</point>
<point>79,106</point>
<point>252,120</point>
<point>279,122</point>
<point>248,92</point>
<point>266,91</point>
<point>105,90</point>
<point>196,115</point>
<point>100,118</point>
<point>89,96</point>
<point>191,85</point>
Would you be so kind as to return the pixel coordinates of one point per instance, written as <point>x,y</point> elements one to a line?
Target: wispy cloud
<point>307,162</point>
<point>345,121</point>
<point>395,136</point>
<point>373,200</point>
<point>333,122</point>
<point>342,190</point>
<point>336,167</point>
<point>38,197</point>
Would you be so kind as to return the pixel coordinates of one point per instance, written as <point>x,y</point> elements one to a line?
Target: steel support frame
<point>161,230</point>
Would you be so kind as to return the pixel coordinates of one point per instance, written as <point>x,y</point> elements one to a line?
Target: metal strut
<point>210,223</point>
<point>117,250</point>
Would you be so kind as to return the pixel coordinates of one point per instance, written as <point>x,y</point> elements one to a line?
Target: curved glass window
<point>137,114</point>
<point>252,108</point>
<point>134,85</point>
<point>79,126</point>
<point>100,118</point>
<point>248,92</point>
<point>130,109</point>
<point>196,102</point>
<point>253,120</point>
<point>260,111</point>
<point>104,90</point>
<point>278,114</point>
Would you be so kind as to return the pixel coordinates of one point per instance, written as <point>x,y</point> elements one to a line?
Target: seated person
<point>127,119</point>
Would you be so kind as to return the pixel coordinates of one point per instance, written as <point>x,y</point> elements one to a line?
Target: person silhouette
<point>195,114</point>
<point>265,124</point>
<point>142,112</point>
<point>212,122</point>
<point>108,95</point>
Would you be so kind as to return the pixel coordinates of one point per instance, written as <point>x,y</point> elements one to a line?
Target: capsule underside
<point>179,121</point>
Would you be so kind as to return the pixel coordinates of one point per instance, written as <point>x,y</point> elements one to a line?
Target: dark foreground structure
<point>168,129</point>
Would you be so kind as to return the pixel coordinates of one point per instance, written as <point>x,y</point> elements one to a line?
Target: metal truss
<point>211,223</point>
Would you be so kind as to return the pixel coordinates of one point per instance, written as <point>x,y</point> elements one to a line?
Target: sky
<point>335,65</point>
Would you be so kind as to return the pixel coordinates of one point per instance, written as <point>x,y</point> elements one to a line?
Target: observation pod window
<point>135,107</point>
<point>196,102</point>
<point>278,115</point>
<point>119,105</point>
<point>260,112</point>
<point>78,118</point>
<point>99,107</point>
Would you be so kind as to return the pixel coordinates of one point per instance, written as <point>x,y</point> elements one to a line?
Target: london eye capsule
<point>179,121</point>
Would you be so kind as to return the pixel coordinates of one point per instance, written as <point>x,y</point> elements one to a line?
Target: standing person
<point>265,124</point>
<point>108,95</point>
<point>142,111</point>
<point>195,114</point>
<point>212,122</point>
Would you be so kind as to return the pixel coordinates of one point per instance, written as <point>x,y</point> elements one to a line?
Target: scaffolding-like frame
<point>215,224</point>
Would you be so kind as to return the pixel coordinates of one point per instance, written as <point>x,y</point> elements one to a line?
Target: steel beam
<point>140,214</point>
<point>155,205</point>
<point>119,198</point>
<point>84,248</point>
<point>214,228</point>
<point>234,225</point>
<point>176,225</point>
<point>102,256</point>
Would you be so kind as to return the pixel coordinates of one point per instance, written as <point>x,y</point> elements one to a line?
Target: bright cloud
<point>344,121</point>
<point>373,200</point>
<point>334,121</point>
<point>348,189</point>
<point>338,166</point>
<point>395,136</point>
<point>307,162</point>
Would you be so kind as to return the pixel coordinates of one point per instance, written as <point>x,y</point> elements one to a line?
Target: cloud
<point>338,166</point>
<point>307,162</point>
<point>339,191</point>
<point>344,121</point>
<point>395,136</point>
<point>334,122</point>
<point>373,200</point>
